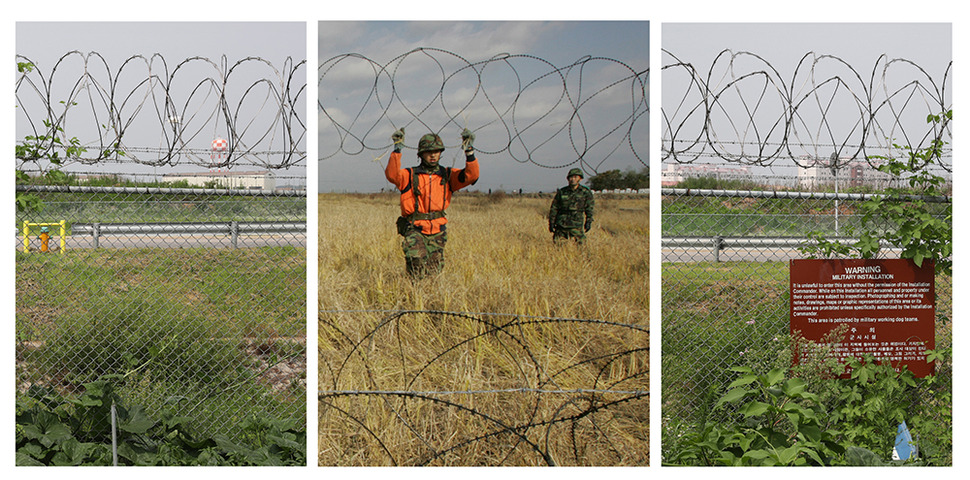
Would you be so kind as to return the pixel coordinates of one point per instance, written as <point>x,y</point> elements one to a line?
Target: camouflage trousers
<point>560,235</point>
<point>424,254</point>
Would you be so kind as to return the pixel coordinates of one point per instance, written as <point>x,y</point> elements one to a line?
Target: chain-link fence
<point>193,300</point>
<point>725,282</point>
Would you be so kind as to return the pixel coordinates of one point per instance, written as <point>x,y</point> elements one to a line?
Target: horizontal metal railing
<point>160,191</point>
<point>718,243</point>
<point>188,228</point>
<point>788,194</point>
<point>232,229</point>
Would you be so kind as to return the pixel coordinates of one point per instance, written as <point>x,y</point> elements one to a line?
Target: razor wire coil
<point>536,104</point>
<point>143,112</point>
<point>743,110</point>
<point>591,408</point>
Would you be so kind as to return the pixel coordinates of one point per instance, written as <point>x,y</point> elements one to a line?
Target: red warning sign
<point>888,306</point>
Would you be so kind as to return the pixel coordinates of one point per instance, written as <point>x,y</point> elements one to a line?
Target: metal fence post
<point>234,232</point>
<point>114,435</point>
<point>718,246</point>
<point>95,234</point>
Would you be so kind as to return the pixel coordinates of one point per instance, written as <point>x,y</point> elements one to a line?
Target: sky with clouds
<point>566,88</point>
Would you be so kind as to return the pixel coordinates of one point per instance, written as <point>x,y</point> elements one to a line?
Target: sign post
<point>888,306</point>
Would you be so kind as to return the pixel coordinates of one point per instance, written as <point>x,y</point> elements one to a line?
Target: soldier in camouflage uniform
<point>426,192</point>
<point>571,213</point>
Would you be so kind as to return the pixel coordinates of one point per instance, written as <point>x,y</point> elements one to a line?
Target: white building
<point>673,174</point>
<point>263,180</point>
<point>853,174</point>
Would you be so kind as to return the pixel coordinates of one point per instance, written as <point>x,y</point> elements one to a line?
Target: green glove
<point>398,138</point>
<point>467,137</point>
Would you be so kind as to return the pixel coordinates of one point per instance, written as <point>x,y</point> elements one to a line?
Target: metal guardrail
<point>718,243</point>
<point>160,191</point>
<point>789,194</point>
<point>232,229</point>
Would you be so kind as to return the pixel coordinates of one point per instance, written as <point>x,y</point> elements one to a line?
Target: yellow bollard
<point>45,236</point>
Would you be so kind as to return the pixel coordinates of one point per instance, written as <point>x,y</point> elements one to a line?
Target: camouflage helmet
<point>430,143</point>
<point>575,171</point>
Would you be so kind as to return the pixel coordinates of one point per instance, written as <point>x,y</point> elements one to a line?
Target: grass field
<point>182,323</point>
<point>151,208</point>
<point>526,322</point>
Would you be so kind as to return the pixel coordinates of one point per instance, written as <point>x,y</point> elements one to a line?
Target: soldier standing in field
<point>571,213</point>
<point>426,191</point>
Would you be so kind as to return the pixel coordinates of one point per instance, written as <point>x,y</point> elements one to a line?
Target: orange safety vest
<point>423,202</point>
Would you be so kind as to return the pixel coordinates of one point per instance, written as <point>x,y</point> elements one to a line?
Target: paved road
<point>171,241</point>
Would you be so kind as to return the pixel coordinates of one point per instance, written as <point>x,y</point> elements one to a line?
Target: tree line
<point>617,180</point>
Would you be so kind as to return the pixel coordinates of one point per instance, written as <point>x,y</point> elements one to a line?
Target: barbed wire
<point>142,112</point>
<point>565,400</point>
<point>475,392</point>
<point>520,105</point>
<point>829,114</point>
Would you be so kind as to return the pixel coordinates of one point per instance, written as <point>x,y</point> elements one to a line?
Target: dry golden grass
<point>511,289</point>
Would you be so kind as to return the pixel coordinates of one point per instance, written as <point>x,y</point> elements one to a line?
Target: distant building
<point>673,174</point>
<point>263,180</point>
<point>853,174</point>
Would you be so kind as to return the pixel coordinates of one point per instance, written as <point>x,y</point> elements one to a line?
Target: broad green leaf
<point>744,380</point>
<point>72,453</point>
<point>787,456</point>
<point>754,409</point>
<point>33,449</point>
<point>810,433</point>
<point>775,375</point>
<point>757,454</point>
<point>47,429</point>
<point>23,459</point>
<point>794,386</point>
<point>733,396</point>
<point>136,421</point>
<point>860,457</point>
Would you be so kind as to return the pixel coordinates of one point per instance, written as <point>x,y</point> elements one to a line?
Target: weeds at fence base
<point>63,431</point>
<point>807,415</point>
<point>226,348</point>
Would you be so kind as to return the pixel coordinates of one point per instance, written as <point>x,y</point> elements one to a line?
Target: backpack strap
<point>443,172</point>
<point>410,179</point>
<point>417,190</point>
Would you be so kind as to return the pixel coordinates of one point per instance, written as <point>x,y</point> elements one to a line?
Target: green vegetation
<point>118,208</point>
<point>714,183</point>
<point>922,230</point>
<point>75,285</point>
<point>734,317</point>
<point>173,330</point>
<point>617,180</point>
<point>778,418</point>
<point>755,408</point>
<point>69,431</point>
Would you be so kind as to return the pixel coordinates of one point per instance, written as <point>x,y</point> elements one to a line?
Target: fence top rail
<point>787,194</point>
<point>159,191</point>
